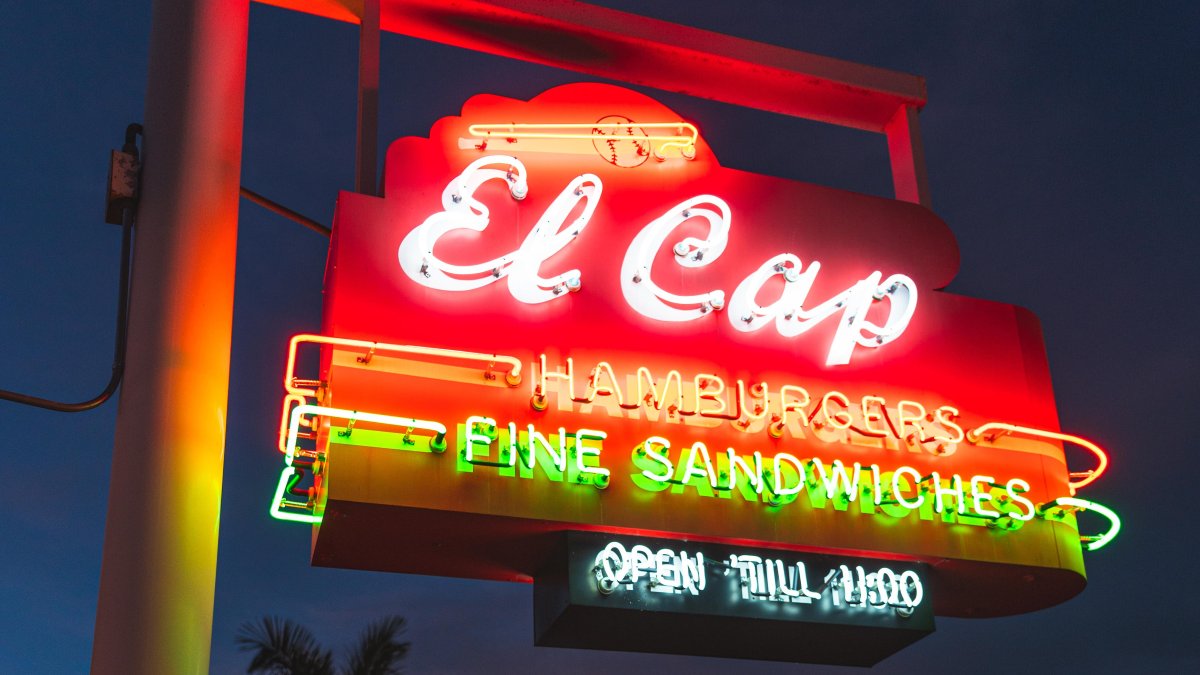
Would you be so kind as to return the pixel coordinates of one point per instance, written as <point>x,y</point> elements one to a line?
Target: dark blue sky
<point>1061,144</point>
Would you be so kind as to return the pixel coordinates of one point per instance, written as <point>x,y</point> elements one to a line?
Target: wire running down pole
<point>118,366</point>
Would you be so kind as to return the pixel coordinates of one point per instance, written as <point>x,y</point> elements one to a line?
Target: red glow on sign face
<point>590,237</point>
<point>971,354</point>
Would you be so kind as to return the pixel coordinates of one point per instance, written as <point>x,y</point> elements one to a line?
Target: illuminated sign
<point>641,594</point>
<point>564,314</point>
<point>461,210</point>
<point>759,578</point>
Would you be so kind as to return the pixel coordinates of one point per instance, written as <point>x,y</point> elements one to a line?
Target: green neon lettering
<point>837,482</point>
<point>653,458</point>
<point>688,474</point>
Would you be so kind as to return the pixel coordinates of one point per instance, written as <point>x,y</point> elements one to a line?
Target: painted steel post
<point>160,540</point>
<point>366,163</point>
<point>907,155</point>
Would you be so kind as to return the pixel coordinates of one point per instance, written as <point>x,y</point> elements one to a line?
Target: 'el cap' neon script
<point>462,210</point>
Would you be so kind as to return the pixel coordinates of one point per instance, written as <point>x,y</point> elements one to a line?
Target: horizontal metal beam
<point>641,50</point>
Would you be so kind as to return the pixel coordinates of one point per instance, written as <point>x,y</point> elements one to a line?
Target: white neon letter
<point>693,572</point>
<point>692,469</point>
<point>779,489</point>
<point>911,590</point>
<point>548,237</point>
<point>830,479</point>
<point>664,460</point>
<point>581,450</point>
<point>899,496</point>
<point>462,211</point>
<point>955,489</point>
<point>1016,488</point>
<point>645,296</point>
<point>559,459</point>
<point>666,572</point>
<point>613,553</point>
<point>753,475</point>
<point>473,437</point>
<point>978,497</point>
<point>791,319</point>
<point>901,292</point>
<point>747,315</point>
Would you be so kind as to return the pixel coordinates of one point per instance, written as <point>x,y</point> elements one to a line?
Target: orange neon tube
<point>685,138</point>
<point>1088,477</point>
<point>370,348</point>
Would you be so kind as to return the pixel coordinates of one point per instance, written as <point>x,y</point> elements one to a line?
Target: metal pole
<point>907,155</point>
<point>366,166</point>
<point>160,541</point>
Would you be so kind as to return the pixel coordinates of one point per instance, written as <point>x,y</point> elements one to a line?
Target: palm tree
<point>284,648</point>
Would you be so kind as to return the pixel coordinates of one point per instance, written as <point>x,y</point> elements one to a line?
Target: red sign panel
<point>565,314</point>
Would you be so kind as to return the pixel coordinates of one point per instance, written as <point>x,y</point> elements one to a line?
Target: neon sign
<point>665,570</point>
<point>462,210</point>
<point>537,330</point>
<point>684,138</point>
<point>773,604</point>
<point>760,578</point>
<point>750,407</point>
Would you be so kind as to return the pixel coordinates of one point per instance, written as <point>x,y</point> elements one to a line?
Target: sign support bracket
<point>907,155</point>
<point>366,166</point>
<point>650,52</point>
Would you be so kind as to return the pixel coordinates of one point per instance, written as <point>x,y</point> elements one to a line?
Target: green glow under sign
<point>283,508</point>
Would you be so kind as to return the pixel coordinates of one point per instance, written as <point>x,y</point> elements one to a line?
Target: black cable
<point>118,367</point>
<point>276,207</point>
<point>127,221</point>
<point>132,131</point>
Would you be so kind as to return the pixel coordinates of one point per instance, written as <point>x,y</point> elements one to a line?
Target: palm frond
<point>379,650</point>
<point>282,647</point>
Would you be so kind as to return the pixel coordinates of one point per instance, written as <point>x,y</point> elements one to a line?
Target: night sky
<point>1061,145</point>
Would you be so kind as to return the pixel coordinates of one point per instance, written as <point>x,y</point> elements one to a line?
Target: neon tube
<point>1001,428</point>
<point>645,296</point>
<point>547,238</point>
<point>792,319</point>
<point>462,211</point>
<point>279,503</point>
<point>685,137</point>
<point>513,377</point>
<point>288,401</point>
<point>1090,542</point>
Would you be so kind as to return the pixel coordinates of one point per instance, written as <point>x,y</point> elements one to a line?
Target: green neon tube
<point>1094,543</point>
<point>279,502</point>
